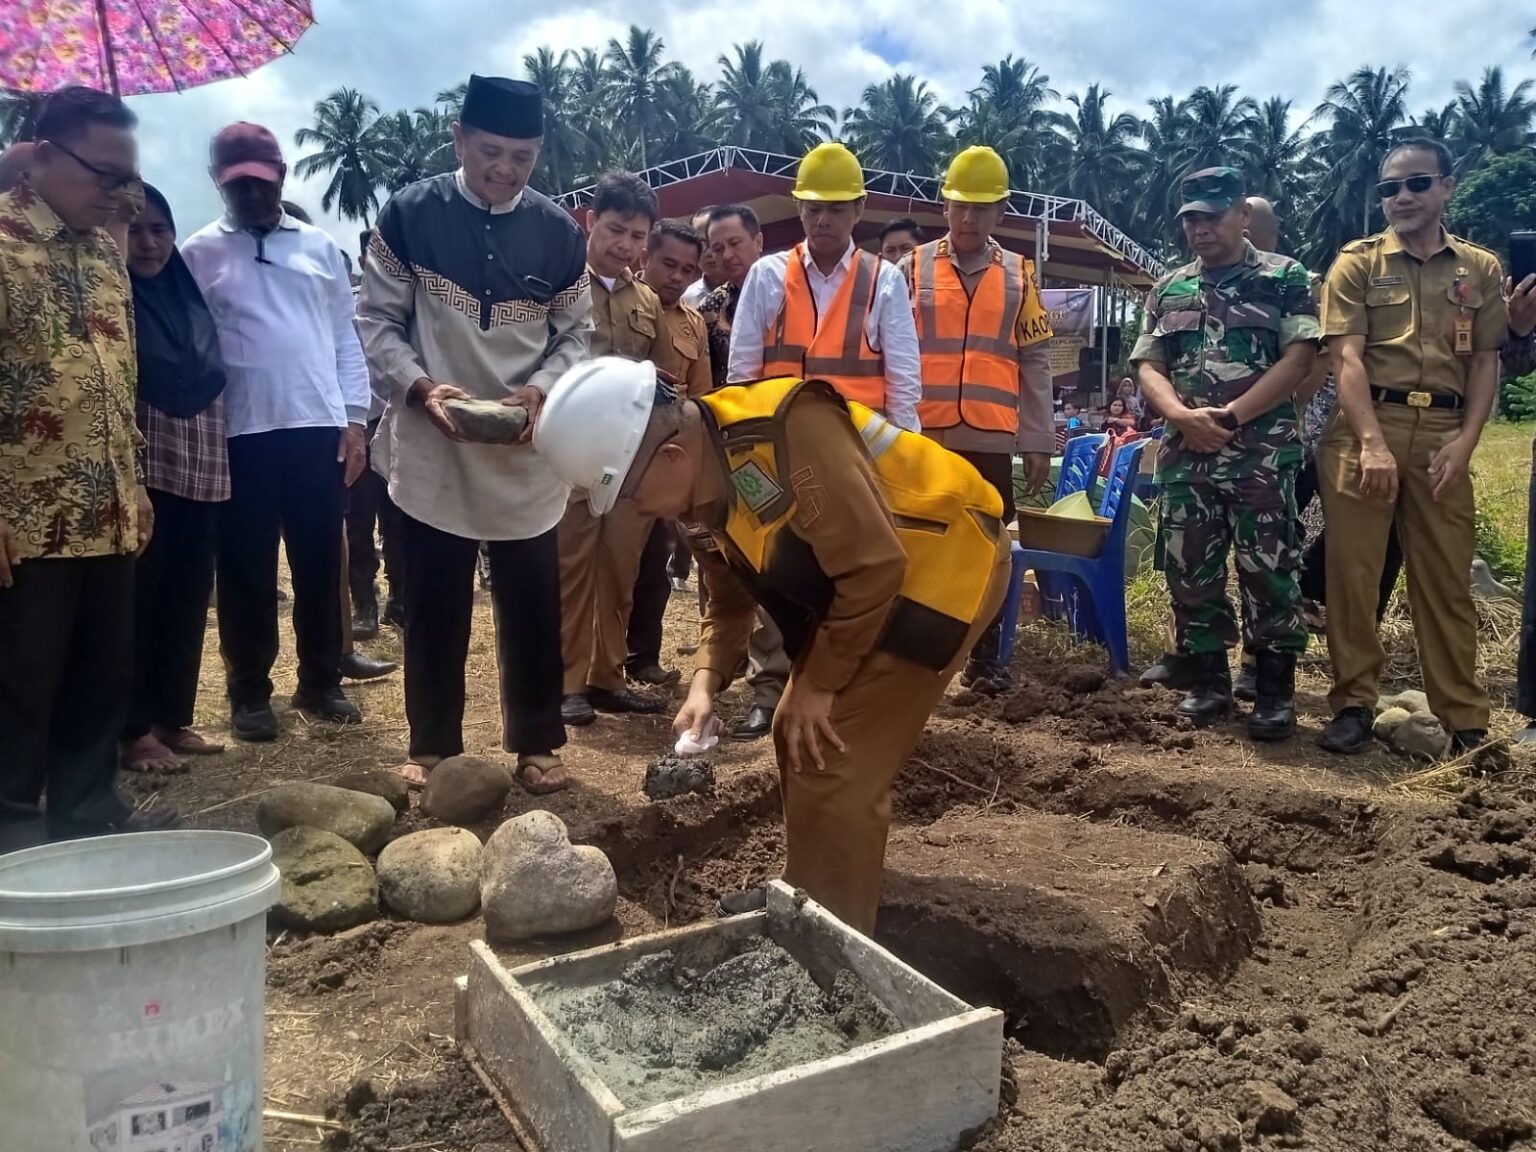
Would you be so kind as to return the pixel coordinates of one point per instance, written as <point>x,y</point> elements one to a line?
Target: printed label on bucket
<point>180,1113</point>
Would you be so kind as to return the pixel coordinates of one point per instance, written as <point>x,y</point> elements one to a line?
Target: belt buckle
<point>1420,400</point>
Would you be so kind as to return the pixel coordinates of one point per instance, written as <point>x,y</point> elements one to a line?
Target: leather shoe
<point>759,723</point>
<point>655,675</point>
<point>1348,732</point>
<point>740,903</point>
<point>356,666</point>
<point>1467,740</point>
<point>576,711</point>
<point>365,618</point>
<point>254,723</point>
<point>623,701</point>
<point>986,677</point>
<point>332,706</point>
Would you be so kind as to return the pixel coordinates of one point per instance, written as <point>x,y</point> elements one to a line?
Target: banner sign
<point>1071,311</point>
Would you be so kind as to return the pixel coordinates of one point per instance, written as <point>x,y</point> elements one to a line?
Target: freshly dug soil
<point>676,1023</point>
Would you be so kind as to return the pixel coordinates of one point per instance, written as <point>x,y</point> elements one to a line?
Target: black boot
<point>365,613</point>
<point>1210,700</point>
<point>1172,670</point>
<point>1274,708</point>
<point>1246,686</point>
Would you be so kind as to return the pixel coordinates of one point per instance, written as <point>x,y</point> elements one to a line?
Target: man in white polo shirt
<point>295,406</point>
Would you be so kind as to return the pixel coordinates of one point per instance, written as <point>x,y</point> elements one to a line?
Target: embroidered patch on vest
<point>807,497</point>
<point>757,489</point>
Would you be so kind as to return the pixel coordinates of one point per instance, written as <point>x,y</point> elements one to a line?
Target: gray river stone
<point>432,877</point>
<point>487,421</point>
<point>362,820</point>
<point>535,882</point>
<point>464,789</point>
<point>328,884</point>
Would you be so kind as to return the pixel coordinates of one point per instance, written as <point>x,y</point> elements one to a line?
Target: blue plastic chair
<point>1094,601</point>
<point>1079,462</point>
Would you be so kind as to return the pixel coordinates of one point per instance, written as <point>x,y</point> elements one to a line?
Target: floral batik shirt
<point>70,451</point>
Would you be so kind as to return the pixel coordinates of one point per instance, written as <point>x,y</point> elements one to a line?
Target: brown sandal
<point>416,770</point>
<point>147,754</point>
<point>550,776</point>
<point>185,742</point>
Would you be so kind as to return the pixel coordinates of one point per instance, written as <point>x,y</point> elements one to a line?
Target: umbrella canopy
<point>132,46</point>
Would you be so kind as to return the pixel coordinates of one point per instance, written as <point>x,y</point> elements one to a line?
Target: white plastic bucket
<point>132,990</point>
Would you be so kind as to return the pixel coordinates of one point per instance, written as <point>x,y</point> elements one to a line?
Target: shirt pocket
<point>642,325</point>
<point>1388,313</point>
<point>1183,329</point>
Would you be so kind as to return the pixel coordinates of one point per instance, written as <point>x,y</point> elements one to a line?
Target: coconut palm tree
<point>636,72</point>
<point>1489,121</point>
<point>746,110</point>
<point>568,153</point>
<point>1364,115</point>
<point>1099,159</point>
<point>686,107</point>
<point>1439,123</point>
<point>1277,153</point>
<point>451,100</point>
<point>1008,113</point>
<point>1218,127</point>
<point>348,146</point>
<point>18,115</point>
<point>413,146</point>
<point>900,126</point>
<point>801,120</point>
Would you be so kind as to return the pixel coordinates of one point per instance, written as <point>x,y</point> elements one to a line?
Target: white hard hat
<point>592,422</point>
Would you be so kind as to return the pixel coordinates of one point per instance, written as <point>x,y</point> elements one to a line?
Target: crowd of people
<point>171,412</point>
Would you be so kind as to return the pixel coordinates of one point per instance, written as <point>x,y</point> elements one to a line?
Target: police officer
<point>825,513</point>
<point>1227,340</point>
<point>1415,318</point>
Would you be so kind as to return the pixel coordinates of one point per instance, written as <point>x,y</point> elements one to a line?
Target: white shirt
<point>493,209</point>
<point>695,292</point>
<point>285,326</point>
<point>890,329</point>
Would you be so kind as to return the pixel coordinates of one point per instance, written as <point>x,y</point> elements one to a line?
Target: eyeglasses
<point>1387,189</point>
<point>109,180</point>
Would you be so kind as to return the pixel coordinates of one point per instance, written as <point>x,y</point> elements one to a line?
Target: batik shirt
<point>1219,331</point>
<point>70,452</point>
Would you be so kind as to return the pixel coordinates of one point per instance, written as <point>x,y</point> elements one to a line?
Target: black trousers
<point>285,484</point>
<point>652,590</point>
<point>996,469</point>
<point>680,562</point>
<point>439,605</point>
<point>66,675</point>
<point>172,583</point>
<point>368,503</point>
<point>1525,687</point>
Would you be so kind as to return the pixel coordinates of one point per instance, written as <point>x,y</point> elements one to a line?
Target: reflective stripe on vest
<point>946,516</point>
<point>969,343</point>
<point>833,347</point>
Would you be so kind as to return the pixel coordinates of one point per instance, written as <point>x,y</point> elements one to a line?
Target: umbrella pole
<point>105,34</point>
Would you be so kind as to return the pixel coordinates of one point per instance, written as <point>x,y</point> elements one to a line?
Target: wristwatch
<point>1229,421</point>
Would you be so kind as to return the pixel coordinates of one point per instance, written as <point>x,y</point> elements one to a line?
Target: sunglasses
<point>108,179</point>
<point>1387,189</point>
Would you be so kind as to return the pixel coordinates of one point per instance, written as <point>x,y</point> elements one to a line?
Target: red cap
<point>247,149</point>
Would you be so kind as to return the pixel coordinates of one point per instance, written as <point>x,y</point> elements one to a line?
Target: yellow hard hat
<point>829,172</point>
<point>977,176</point>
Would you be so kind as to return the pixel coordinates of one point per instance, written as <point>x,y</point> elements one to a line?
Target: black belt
<point>1418,399</point>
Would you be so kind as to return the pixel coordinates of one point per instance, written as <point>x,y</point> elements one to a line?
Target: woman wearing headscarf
<point>180,410</point>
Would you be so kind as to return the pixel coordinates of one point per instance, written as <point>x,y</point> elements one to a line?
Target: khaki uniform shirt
<point>690,350</point>
<point>1407,309</point>
<point>844,520</point>
<point>627,320</point>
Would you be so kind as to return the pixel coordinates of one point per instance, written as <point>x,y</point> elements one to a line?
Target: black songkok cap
<point>502,107</point>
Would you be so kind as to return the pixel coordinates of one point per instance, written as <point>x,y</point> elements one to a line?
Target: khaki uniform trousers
<point>837,820</point>
<point>1438,541</point>
<point>599,561</point>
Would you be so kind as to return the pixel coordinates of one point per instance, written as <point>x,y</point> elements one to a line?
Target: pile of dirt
<point>678,1022</point>
<point>321,964</point>
<point>1389,1008</point>
<point>450,1109</point>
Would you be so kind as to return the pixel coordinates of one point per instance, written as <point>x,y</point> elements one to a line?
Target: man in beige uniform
<point>1415,318</point>
<point>600,555</point>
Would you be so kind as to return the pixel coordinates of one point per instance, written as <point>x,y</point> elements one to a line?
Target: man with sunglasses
<point>1415,319</point>
<point>73,509</point>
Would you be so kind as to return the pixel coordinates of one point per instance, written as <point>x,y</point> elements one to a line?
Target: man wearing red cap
<point>295,404</point>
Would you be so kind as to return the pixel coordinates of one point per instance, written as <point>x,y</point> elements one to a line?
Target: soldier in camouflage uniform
<point>1225,343</point>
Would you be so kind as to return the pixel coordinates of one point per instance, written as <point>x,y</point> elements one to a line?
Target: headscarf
<point>180,369</point>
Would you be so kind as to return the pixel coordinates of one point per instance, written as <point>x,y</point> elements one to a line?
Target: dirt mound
<point>317,965</point>
<point>450,1109</point>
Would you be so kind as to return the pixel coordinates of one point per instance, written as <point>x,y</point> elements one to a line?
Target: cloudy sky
<point>402,52</point>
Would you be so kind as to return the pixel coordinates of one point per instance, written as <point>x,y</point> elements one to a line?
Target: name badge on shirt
<point>1463,335</point>
<point>1388,281</point>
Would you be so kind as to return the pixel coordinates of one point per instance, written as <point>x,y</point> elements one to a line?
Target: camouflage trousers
<point>1255,516</point>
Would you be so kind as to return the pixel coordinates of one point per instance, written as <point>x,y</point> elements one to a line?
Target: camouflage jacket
<point>1218,333</point>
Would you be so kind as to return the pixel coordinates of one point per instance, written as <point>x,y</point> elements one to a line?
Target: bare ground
<point>1381,1000</point>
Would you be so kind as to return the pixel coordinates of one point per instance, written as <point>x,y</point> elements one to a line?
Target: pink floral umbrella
<point>134,46</point>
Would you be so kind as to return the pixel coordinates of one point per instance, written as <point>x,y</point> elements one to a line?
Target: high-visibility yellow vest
<point>948,519</point>
<point>969,343</point>
<point>801,344</point>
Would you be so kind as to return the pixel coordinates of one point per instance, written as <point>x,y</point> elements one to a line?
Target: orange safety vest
<point>833,347</point>
<point>969,344</point>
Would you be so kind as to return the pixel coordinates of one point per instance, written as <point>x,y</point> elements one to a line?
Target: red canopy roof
<point>1081,247</point>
